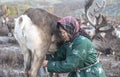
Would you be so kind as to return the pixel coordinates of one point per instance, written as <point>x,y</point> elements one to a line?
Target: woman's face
<point>64,34</point>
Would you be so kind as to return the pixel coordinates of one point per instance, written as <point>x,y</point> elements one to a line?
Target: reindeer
<point>106,36</point>
<point>6,22</point>
<point>36,32</point>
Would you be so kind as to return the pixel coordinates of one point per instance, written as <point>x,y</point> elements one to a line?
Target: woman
<point>77,55</point>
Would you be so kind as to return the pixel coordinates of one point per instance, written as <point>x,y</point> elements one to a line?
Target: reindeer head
<point>95,18</point>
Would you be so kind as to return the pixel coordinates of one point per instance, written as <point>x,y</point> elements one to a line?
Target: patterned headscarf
<point>71,25</point>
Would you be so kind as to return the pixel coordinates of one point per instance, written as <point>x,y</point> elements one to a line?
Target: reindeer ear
<point>20,20</point>
<point>21,23</point>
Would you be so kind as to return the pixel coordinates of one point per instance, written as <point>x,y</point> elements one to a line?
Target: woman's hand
<point>44,64</point>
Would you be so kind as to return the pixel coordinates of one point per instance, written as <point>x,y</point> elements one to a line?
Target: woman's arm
<point>71,63</point>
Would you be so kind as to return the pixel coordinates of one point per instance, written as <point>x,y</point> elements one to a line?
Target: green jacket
<point>79,54</point>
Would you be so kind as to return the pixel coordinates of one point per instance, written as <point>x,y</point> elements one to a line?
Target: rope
<point>78,71</point>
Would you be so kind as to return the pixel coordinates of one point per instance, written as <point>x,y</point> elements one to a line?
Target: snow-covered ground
<point>11,60</point>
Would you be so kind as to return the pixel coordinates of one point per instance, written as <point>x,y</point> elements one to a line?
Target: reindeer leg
<point>27,61</point>
<point>38,58</point>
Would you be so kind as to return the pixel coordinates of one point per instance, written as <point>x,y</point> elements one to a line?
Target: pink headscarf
<point>71,25</point>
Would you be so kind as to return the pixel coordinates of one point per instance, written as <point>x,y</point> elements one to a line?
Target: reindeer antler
<point>98,10</point>
<point>96,21</point>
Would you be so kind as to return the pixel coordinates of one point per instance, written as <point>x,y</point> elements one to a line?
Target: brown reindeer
<point>107,35</point>
<point>36,32</point>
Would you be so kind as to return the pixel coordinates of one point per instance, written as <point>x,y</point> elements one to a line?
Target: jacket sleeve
<point>58,55</point>
<point>74,59</point>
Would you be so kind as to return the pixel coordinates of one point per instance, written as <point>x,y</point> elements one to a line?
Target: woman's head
<point>64,34</point>
<point>69,27</point>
